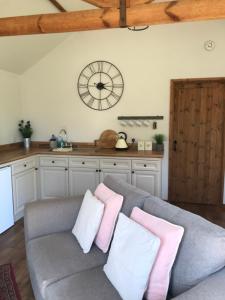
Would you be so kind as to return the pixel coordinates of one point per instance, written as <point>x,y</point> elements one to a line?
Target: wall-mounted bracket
<point>125,118</point>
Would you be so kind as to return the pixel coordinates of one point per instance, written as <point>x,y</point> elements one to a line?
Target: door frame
<point>173,83</point>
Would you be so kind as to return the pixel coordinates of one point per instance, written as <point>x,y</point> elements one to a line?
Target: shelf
<point>125,118</point>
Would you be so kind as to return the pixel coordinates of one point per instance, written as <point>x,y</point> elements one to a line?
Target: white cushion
<point>88,221</point>
<point>131,257</point>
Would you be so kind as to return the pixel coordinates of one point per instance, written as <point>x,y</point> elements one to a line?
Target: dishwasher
<point>6,199</point>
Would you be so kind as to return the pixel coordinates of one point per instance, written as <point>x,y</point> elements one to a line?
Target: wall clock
<point>100,85</point>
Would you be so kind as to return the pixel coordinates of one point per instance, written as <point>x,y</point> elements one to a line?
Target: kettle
<point>122,141</point>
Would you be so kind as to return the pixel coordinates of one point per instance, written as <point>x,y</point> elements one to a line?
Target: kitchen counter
<point>7,156</point>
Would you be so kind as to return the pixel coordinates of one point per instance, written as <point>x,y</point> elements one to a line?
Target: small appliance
<point>121,143</point>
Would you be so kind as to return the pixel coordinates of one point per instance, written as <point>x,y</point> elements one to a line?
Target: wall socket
<point>141,145</point>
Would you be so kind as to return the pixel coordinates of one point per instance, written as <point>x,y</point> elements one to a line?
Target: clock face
<point>100,85</point>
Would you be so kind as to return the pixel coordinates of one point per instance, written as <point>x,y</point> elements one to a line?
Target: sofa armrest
<point>212,288</point>
<point>50,216</point>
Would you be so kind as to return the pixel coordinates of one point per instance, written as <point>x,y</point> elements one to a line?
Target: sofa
<point>59,269</point>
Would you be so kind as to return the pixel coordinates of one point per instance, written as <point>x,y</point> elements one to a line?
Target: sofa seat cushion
<point>91,284</point>
<point>58,255</point>
<point>202,249</point>
<point>132,195</point>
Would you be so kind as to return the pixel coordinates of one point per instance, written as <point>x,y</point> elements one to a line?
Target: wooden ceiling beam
<point>58,5</point>
<point>147,14</point>
<point>116,3</point>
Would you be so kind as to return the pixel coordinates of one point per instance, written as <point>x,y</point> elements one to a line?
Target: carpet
<point>8,286</point>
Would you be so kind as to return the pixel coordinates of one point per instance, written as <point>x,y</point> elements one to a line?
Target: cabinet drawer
<point>23,165</point>
<point>150,165</point>
<point>51,161</point>
<point>84,163</point>
<point>120,164</point>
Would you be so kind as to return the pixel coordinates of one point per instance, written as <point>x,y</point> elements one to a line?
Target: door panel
<point>80,180</point>
<point>54,182</point>
<point>124,175</point>
<point>147,181</point>
<point>197,125</point>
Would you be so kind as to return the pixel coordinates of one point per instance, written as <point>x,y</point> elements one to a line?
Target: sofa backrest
<point>202,250</point>
<point>132,195</point>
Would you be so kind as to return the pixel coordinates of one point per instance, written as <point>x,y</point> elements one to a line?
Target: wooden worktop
<point>8,155</point>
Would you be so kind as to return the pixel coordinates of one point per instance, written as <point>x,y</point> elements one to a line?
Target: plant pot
<point>157,147</point>
<point>27,143</point>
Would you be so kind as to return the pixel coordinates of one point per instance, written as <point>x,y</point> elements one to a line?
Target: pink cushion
<point>113,203</point>
<point>170,236</point>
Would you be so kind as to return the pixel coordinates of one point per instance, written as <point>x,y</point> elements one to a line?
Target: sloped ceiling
<point>17,54</point>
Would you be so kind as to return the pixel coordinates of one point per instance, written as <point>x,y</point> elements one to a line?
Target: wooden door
<point>196,164</point>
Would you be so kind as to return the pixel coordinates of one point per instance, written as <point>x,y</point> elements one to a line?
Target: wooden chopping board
<point>107,139</point>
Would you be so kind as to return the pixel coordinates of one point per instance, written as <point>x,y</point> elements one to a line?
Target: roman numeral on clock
<point>91,102</point>
<point>84,95</point>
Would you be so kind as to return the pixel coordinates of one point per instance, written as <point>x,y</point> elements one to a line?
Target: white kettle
<point>122,141</point>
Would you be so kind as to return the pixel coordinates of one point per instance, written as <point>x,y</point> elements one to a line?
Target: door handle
<point>174,145</point>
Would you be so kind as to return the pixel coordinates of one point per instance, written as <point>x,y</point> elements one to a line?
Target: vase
<point>27,143</point>
<point>158,147</point>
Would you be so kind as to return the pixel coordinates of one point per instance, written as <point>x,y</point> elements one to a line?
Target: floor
<point>12,250</point>
<point>12,247</point>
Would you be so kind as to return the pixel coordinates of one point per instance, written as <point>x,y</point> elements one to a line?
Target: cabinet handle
<point>24,165</point>
<point>36,169</point>
<point>83,163</point>
<point>53,161</point>
<point>66,169</point>
<point>132,172</point>
<point>97,170</point>
<point>145,165</point>
<point>114,164</point>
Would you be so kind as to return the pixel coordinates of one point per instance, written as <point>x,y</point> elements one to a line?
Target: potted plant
<point>158,145</point>
<point>26,132</point>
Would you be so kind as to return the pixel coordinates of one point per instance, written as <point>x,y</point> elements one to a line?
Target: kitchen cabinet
<point>124,175</point>
<point>148,181</point>
<point>146,175</point>
<point>81,179</point>
<point>24,178</point>
<point>53,177</point>
<point>59,176</point>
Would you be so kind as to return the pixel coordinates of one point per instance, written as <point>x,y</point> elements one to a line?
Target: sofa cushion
<point>132,195</point>
<point>88,221</point>
<point>202,249</point>
<point>113,203</point>
<point>91,284</point>
<point>170,236</point>
<point>131,258</point>
<point>58,255</point>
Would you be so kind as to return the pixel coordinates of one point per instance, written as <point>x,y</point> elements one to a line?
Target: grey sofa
<point>59,269</point>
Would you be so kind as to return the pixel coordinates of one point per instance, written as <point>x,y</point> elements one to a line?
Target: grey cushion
<point>132,195</point>
<point>88,285</point>
<point>212,288</point>
<point>58,255</point>
<point>202,250</point>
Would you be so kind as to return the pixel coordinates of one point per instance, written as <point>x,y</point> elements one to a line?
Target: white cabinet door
<point>124,175</point>
<point>54,182</point>
<point>24,190</point>
<point>147,181</point>
<point>82,179</point>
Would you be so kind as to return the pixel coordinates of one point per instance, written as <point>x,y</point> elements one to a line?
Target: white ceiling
<point>17,54</point>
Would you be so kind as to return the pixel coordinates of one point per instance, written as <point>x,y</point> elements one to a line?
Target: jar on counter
<point>53,142</point>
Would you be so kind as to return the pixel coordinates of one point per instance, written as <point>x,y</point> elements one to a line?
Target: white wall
<point>10,107</point>
<point>147,60</point>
